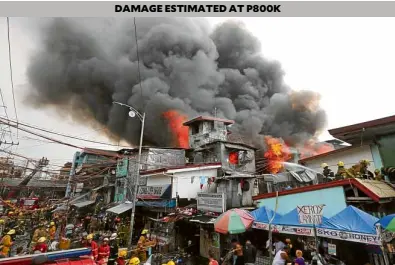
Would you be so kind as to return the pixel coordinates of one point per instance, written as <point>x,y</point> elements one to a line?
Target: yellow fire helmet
<point>52,223</point>
<point>324,165</point>
<point>365,162</point>
<point>2,221</point>
<point>134,261</point>
<point>20,214</point>
<point>122,253</point>
<point>41,240</point>
<point>11,213</point>
<point>144,232</point>
<point>340,164</point>
<point>11,232</point>
<point>377,171</point>
<point>90,236</point>
<point>171,263</point>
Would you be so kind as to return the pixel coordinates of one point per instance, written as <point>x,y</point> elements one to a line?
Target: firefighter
<point>52,230</point>
<point>377,175</point>
<point>41,245</point>
<point>143,244</point>
<point>2,226</point>
<point>93,245</point>
<point>134,261</point>
<point>113,249</point>
<point>327,172</point>
<point>341,171</point>
<point>104,252</point>
<point>6,242</point>
<point>121,258</point>
<point>39,232</point>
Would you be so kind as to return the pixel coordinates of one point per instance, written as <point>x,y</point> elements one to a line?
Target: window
<point>195,128</point>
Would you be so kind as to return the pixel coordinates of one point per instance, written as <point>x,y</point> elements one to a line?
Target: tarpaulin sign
<point>310,214</point>
<point>331,249</point>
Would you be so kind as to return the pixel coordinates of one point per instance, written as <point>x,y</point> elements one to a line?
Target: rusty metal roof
<point>381,189</point>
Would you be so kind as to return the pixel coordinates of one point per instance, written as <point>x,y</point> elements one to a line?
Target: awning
<point>83,204</point>
<point>203,219</point>
<point>121,208</point>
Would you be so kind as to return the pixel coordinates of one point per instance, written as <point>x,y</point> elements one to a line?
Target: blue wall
<point>333,198</point>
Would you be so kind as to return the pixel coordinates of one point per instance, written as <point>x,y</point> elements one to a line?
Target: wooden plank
<point>359,199</point>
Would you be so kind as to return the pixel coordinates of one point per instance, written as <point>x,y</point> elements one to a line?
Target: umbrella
<point>388,222</point>
<point>234,221</point>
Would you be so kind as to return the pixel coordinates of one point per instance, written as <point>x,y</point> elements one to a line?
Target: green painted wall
<point>387,150</point>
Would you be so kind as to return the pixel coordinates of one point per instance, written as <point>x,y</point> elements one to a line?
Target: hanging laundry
<point>239,192</point>
<point>242,183</point>
<point>203,181</point>
<point>192,180</point>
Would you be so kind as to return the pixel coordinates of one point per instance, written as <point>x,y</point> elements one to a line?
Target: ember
<point>179,131</point>
<point>277,152</point>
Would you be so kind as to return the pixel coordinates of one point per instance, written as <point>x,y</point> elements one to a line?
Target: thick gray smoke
<point>85,64</point>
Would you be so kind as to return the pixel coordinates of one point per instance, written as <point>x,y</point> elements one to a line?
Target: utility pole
<point>133,177</point>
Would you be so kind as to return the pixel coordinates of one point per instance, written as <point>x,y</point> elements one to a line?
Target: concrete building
<point>372,140</point>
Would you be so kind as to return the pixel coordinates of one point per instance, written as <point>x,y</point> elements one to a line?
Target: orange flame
<point>277,152</point>
<point>179,131</point>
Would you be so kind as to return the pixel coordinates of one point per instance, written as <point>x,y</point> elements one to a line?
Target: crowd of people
<point>24,234</point>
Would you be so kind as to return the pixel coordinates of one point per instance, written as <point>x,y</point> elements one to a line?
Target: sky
<point>349,61</point>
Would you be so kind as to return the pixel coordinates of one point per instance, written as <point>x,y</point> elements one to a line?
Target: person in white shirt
<point>281,257</point>
<point>278,245</point>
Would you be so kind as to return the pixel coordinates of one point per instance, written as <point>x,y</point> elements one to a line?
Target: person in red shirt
<point>41,246</point>
<point>104,251</point>
<point>211,259</point>
<point>93,245</point>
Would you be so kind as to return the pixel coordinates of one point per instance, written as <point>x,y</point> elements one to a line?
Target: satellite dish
<point>132,114</point>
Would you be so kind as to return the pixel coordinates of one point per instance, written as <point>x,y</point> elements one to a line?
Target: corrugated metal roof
<point>121,208</point>
<point>83,204</point>
<point>381,189</point>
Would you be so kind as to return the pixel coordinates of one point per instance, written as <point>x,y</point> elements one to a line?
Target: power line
<point>61,134</point>
<point>11,72</point>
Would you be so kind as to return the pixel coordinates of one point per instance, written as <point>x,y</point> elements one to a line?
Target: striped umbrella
<point>234,221</point>
<point>388,222</point>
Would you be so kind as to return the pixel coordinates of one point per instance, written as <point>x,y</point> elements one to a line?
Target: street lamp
<point>133,113</point>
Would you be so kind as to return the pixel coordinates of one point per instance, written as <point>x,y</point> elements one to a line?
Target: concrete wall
<point>185,184</point>
<point>333,198</point>
<point>205,132</point>
<point>350,157</point>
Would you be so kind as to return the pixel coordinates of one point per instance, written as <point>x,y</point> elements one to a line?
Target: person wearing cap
<point>41,246</point>
<point>113,249</point>
<point>104,251</point>
<point>92,245</point>
<point>7,242</point>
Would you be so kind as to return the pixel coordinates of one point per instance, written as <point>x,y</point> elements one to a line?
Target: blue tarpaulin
<point>352,219</point>
<point>264,215</point>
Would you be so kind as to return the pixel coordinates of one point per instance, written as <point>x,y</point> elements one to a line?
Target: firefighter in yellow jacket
<point>6,242</point>
<point>341,171</point>
<point>52,230</point>
<point>38,233</point>
<point>143,244</point>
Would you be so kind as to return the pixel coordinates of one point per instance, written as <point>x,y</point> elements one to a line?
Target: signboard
<point>349,236</point>
<point>152,192</point>
<point>310,214</point>
<point>211,202</point>
<point>331,249</point>
<point>369,239</point>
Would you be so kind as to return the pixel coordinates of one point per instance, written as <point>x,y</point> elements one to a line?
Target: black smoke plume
<point>83,65</point>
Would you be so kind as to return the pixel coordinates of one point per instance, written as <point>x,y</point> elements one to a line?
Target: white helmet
<point>113,236</point>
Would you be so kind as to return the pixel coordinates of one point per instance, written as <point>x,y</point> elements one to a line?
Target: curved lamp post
<point>133,113</point>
